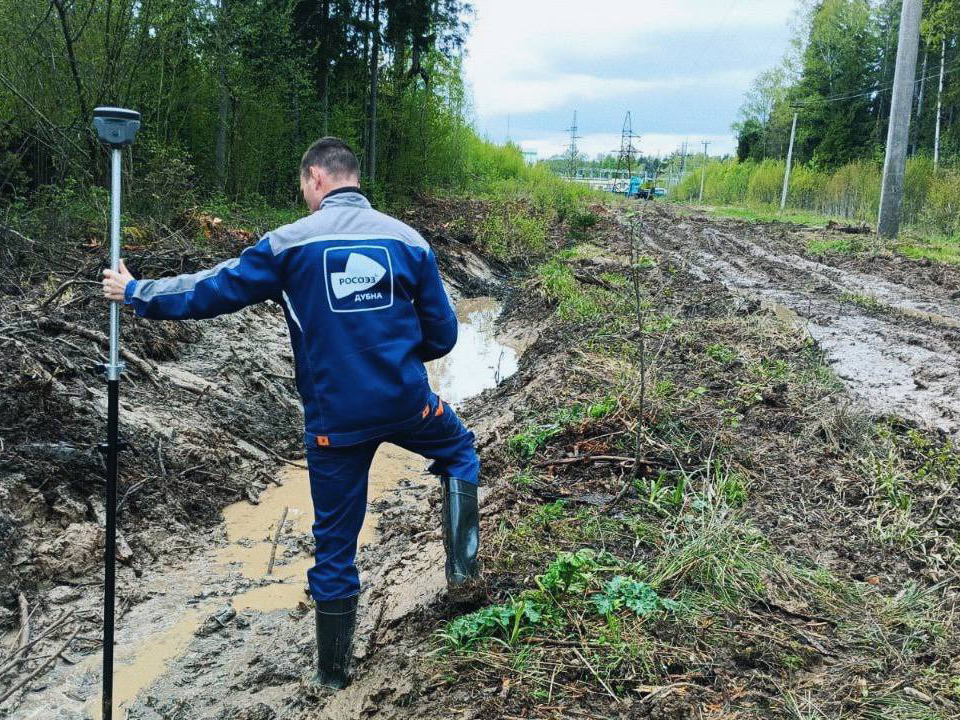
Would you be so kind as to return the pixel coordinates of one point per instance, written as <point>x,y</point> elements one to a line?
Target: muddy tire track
<point>896,347</point>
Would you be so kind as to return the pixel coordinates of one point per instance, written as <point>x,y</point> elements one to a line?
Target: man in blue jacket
<point>366,308</point>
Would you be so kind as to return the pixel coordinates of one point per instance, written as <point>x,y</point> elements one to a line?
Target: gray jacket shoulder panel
<point>350,222</point>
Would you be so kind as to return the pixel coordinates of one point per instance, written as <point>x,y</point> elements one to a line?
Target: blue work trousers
<point>338,484</point>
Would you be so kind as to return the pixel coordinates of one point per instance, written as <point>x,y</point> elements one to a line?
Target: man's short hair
<point>333,155</point>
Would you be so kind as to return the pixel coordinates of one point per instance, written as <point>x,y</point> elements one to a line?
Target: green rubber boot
<point>461,532</point>
<point>335,623</point>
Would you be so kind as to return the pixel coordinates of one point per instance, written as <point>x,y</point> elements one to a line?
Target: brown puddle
<point>478,361</point>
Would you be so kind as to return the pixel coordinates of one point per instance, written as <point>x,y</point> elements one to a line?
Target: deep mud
<point>889,327</point>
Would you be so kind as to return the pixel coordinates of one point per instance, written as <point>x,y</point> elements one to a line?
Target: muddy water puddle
<point>479,361</point>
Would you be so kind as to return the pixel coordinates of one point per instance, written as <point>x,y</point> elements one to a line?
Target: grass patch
<point>870,303</point>
<point>938,248</point>
<point>837,245</point>
<point>915,242</point>
<point>771,214</point>
<point>535,435</point>
<point>574,302</point>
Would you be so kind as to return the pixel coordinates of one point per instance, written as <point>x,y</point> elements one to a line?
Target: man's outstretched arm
<point>252,277</point>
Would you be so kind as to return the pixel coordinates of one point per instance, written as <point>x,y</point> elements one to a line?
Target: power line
<point>713,35</point>
<point>955,65</point>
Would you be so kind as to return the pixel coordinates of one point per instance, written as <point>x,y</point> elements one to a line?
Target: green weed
<point>508,621</point>
<point>512,234</point>
<point>622,591</point>
<point>721,353</point>
<point>536,435</point>
<point>601,408</point>
<point>870,303</point>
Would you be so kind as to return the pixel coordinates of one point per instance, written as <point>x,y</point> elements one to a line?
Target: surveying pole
<point>116,128</point>
<point>898,131</point>
<point>703,171</point>
<point>786,173</point>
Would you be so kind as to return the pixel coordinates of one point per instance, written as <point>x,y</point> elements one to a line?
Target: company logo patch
<point>358,277</point>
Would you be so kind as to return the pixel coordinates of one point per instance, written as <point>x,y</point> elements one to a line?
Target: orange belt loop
<point>439,408</point>
<point>323,441</point>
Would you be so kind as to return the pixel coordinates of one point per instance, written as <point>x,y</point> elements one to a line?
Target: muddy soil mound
<point>199,401</point>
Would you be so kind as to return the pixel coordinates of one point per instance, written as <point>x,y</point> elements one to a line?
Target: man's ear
<point>316,176</point>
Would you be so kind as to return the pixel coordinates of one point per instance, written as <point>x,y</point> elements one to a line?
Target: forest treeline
<point>232,91</point>
<point>837,78</point>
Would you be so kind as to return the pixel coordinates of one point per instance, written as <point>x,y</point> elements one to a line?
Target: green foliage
<point>512,234</point>
<point>721,353</point>
<point>536,434</point>
<point>232,93</point>
<point>850,192</point>
<point>766,183</point>
<point>582,221</point>
<point>509,621</point>
<point>602,408</point>
<point>526,443</point>
<point>566,582</point>
<point>570,572</point>
<point>622,591</point>
<point>942,207</point>
<point>166,184</point>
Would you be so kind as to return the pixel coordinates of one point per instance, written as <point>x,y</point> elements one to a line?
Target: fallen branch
<point>591,280</point>
<point>63,286</point>
<point>18,655</point>
<point>276,540</point>
<point>583,458</point>
<point>143,367</point>
<point>277,456</point>
<point>24,638</point>
<point>661,690</point>
<point>6,229</point>
<point>40,668</point>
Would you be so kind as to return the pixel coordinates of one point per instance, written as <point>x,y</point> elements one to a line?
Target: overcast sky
<point>680,67</point>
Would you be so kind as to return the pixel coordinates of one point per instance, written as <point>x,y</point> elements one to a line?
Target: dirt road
<point>890,328</point>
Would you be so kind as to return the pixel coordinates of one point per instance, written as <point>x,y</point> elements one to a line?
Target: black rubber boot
<point>335,622</point>
<point>461,531</point>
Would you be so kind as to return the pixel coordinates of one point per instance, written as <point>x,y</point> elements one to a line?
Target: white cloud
<point>515,45</point>
<point>523,94</point>
<point>652,144</point>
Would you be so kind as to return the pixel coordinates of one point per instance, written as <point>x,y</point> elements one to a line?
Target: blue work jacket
<point>364,304</point>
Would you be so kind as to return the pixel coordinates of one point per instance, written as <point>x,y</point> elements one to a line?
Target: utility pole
<point>703,170</point>
<point>898,132</point>
<point>936,137</point>
<point>786,173</point>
